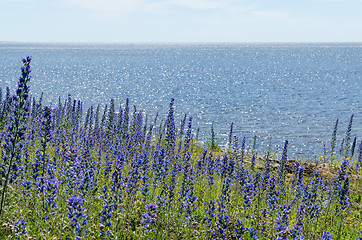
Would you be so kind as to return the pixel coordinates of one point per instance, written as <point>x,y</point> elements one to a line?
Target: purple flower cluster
<point>149,219</point>
<point>20,227</point>
<point>14,135</point>
<point>77,215</point>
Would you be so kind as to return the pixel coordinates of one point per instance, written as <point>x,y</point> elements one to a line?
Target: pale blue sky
<point>181,20</point>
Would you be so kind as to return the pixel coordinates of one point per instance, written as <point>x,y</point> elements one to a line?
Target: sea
<point>274,91</point>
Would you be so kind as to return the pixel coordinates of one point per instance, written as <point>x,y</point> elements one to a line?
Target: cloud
<point>335,1</point>
<point>108,6</point>
<point>14,1</point>
<point>128,7</point>
<point>270,14</point>
<point>227,6</point>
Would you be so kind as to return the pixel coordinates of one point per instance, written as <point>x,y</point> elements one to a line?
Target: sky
<point>180,21</point>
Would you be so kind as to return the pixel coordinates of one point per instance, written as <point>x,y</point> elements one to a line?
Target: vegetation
<point>114,176</point>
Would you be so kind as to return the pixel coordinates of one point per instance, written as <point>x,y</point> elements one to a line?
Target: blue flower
<point>239,229</point>
<point>149,219</point>
<point>283,222</point>
<point>76,214</point>
<point>344,194</point>
<point>20,227</point>
<point>106,212</point>
<point>222,224</point>
<point>210,215</point>
<point>253,233</point>
<point>327,236</point>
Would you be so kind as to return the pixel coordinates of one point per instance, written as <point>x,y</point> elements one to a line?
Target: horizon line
<point>177,43</point>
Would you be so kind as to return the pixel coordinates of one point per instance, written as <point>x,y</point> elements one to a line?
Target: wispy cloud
<point>227,6</point>
<point>336,1</point>
<point>110,6</point>
<point>139,6</point>
<point>14,1</point>
<point>269,14</point>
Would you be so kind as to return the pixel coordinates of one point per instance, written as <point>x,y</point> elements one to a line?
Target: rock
<point>326,172</point>
<point>309,168</point>
<point>290,166</point>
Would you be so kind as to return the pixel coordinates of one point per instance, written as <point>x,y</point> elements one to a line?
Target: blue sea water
<point>286,91</point>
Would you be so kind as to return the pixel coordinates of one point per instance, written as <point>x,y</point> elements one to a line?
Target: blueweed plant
<point>333,142</point>
<point>359,158</point>
<point>282,167</point>
<point>15,130</point>
<point>77,216</point>
<point>213,144</point>
<point>76,174</point>
<point>348,137</point>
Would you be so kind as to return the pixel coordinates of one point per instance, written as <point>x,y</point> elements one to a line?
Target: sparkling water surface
<point>282,91</point>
